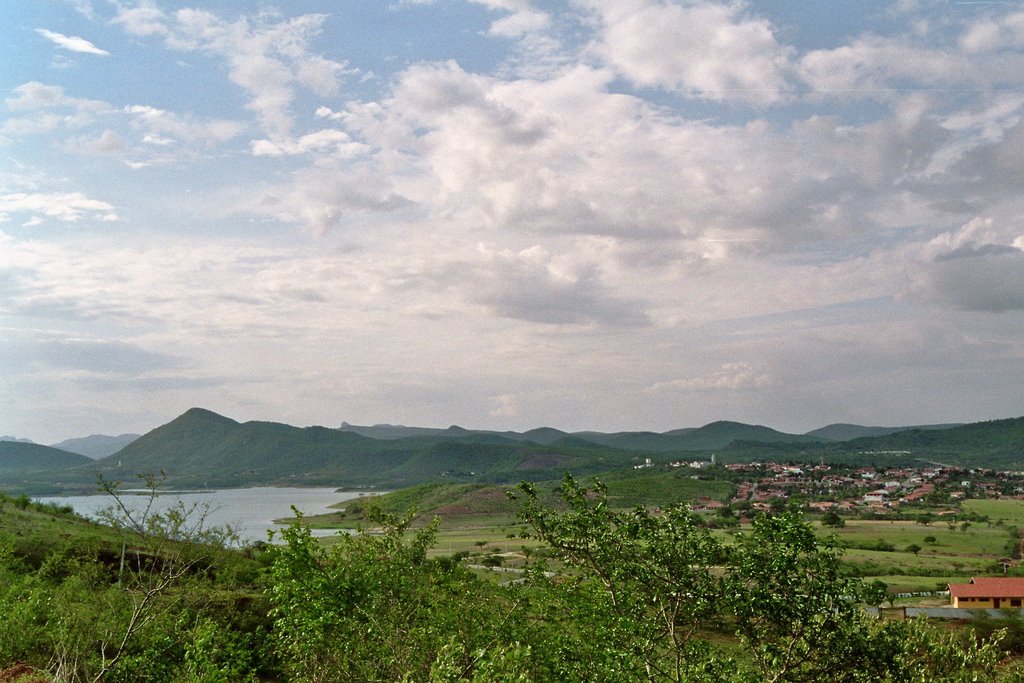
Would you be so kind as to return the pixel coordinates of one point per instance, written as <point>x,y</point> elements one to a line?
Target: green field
<point>1010,511</point>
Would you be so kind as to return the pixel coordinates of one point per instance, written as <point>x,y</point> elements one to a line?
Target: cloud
<point>69,207</point>
<point>97,355</point>
<point>875,66</point>
<point>33,96</point>
<point>522,19</point>
<point>994,33</point>
<point>322,199</point>
<point>504,405</point>
<point>47,108</point>
<point>336,142</point>
<point>730,377</point>
<point>530,285</point>
<point>158,123</point>
<point>711,51</point>
<point>268,59</point>
<point>71,43</point>
<point>83,7</point>
<point>975,268</point>
<point>141,19</point>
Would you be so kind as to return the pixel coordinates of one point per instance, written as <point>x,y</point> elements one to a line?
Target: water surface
<point>249,511</point>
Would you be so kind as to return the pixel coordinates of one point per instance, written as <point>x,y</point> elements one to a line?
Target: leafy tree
<point>373,607</point>
<point>651,575</point>
<point>833,519</point>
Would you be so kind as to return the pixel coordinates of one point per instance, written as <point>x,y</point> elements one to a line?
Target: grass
<point>1010,511</point>
<point>978,540</point>
<point>33,530</point>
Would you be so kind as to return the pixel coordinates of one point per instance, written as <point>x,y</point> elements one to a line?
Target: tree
<point>795,610</point>
<point>833,519</point>
<point>159,550</point>
<point>373,607</point>
<point>649,577</point>
<point>617,604</point>
<point>913,548</point>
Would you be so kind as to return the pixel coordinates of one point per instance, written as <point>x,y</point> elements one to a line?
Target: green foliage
<point>650,576</point>
<point>610,596</point>
<point>833,519</point>
<point>372,607</point>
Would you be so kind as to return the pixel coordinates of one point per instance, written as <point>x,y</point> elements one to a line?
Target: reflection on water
<point>249,511</point>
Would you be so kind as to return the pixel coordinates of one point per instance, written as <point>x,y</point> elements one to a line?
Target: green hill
<point>996,444</point>
<point>848,432</point>
<point>712,436</point>
<point>201,448</point>
<point>18,458</point>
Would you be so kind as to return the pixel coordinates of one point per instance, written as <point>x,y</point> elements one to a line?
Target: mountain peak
<point>205,415</point>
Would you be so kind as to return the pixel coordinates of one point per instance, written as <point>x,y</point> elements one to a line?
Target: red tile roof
<point>988,587</point>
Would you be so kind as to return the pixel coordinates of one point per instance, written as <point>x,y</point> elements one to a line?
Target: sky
<point>505,214</point>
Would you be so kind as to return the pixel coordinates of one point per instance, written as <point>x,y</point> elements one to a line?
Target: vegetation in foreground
<point>635,596</point>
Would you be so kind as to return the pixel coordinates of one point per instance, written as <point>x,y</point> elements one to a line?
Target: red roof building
<point>988,592</point>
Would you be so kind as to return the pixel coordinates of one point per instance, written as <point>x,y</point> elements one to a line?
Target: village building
<point>988,592</point>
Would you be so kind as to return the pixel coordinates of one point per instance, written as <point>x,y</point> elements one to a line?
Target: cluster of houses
<point>844,488</point>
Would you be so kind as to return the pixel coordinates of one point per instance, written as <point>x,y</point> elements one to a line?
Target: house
<point>988,592</point>
<point>879,496</point>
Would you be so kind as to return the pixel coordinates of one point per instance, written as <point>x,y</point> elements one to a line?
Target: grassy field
<point>1010,511</point>
<point>907,555</point>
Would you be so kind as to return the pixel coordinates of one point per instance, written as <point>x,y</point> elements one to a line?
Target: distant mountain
<point>201,448</point>
<point>995,444</point>
<point>542,435</point>
<point>18,457</point>
<point>15,439</point>
<point>386,431</point>
<point>97,445</point>
<point>712,436</point>
<point>847,432</point>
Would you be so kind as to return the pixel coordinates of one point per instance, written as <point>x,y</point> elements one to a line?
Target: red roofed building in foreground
<point>983,591</point>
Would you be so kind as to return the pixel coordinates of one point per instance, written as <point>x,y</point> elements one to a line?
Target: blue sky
<point>592,214</point>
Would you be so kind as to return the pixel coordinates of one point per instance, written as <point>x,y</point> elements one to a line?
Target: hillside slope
<point>19,457</point>
<point>847,432</point>
<point>201,448</point>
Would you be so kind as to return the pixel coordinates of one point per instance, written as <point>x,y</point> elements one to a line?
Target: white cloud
<point>69,207</point>
<point>268,59</point>
<point>873,66</point>
<point>712,51</point>
<point>332,141</point>
<point>504,405</point>
<point>71,43</point>
<point>730,377</point>
<point>141,19</point>
<point>34,96</point>
<point>991,33</point>
<point>158,123</point>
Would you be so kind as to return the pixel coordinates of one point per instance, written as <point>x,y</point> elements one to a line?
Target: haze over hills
<point>97,445</point>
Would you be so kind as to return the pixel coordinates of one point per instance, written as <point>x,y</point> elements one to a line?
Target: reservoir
<point>249,511</point>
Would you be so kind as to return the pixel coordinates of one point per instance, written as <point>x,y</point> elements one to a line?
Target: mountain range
<point>203,449</point>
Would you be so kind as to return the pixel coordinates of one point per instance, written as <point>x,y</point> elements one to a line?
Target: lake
<point>250,511</point>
